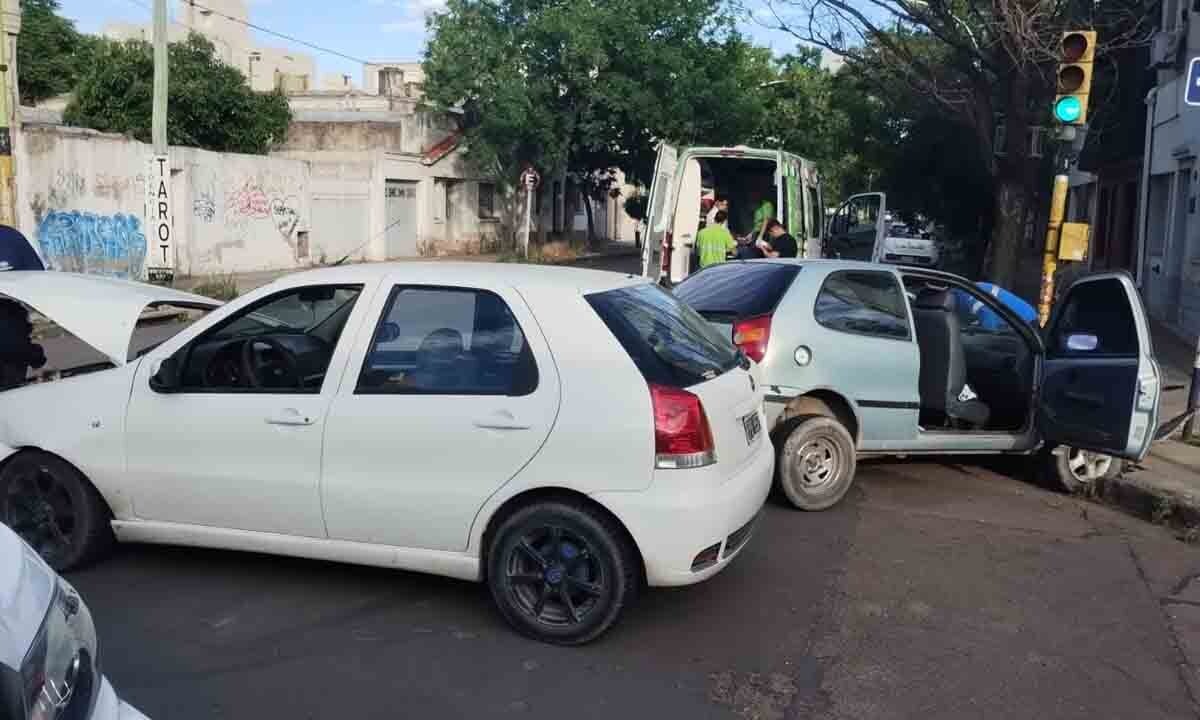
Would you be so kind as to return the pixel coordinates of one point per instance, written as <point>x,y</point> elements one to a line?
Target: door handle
<point>1085,398</point>
<point>502,420</point>
<point>290,417</point>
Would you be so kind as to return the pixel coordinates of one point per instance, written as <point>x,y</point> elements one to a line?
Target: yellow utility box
<point>1073,241</point>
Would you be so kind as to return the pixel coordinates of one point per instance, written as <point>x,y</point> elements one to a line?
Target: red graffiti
<point>249,201</point>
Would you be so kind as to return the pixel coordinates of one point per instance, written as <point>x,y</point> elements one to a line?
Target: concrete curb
<point>1136,492</point>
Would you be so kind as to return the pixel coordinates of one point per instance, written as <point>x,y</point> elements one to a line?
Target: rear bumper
<point>110,707</point>
<point>681,515</point>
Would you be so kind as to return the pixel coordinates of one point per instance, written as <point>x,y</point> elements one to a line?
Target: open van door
<point>659,211</point>
<point>858,228</point>
<point>1100,382</point>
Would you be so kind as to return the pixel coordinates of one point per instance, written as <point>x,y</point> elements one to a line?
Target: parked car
<point>49,656</point>
<point>564,435</point>
<point>868,359</point>
<point>903,246</point>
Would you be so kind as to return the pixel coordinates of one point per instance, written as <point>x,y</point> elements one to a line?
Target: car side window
<point>1100,309</point>
<point>281,344</point>
<point>864,303</point>
<point>448,341</point>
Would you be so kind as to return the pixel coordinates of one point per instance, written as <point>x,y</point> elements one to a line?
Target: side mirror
<point>388,332</point>
<point>1082,342</point>
<point>167,379</point>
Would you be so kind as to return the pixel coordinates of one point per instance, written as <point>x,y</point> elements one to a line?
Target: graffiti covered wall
<point>81,200</point>
<point>242,212</point>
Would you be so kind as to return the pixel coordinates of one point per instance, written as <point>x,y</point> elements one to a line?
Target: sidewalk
<point>247,281</point>
<point>1165,487</point>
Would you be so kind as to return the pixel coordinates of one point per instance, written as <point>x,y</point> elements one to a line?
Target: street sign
<point>160,260</point>
<point>530,178</point>
<point>1192,95</point>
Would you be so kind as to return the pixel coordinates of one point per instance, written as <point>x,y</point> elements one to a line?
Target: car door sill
<point>436,562</point>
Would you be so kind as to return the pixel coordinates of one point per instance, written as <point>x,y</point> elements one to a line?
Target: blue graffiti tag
<point>80,241</point>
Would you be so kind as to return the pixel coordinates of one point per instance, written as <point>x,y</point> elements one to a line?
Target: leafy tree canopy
<point>51,54</point>
<point>209,104</point>
<point>592,84</point>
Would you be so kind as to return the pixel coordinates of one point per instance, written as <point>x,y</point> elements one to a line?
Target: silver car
<point>866,359</point>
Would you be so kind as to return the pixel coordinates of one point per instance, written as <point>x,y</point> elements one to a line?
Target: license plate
<point>752,425</point>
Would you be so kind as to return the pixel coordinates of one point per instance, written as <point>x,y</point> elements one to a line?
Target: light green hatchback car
<point>864,359</point>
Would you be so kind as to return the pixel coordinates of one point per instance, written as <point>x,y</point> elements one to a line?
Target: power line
<point>284,36</point>
<point>254,26</point>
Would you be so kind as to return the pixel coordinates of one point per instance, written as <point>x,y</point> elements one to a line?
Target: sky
<point>366,29</point>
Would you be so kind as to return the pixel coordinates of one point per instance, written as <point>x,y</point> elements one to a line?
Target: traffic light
<point>1078,48</point>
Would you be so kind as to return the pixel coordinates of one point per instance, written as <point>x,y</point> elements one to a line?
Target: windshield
<point>298,313</point>
<point>666,339</point>
<point>737,290</point>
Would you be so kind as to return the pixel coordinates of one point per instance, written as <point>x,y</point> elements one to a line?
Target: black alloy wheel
<point>561,572</point>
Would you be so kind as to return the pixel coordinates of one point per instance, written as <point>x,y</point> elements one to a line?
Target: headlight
<point>58,673</point>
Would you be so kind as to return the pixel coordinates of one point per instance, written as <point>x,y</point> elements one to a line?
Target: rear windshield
<point>737,290</point>
<point>668,341</point>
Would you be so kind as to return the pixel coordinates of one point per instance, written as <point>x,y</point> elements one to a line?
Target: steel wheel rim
<point>1087,466</point>
<point>817,464</point>
<point>555,577</point>
<point>38,508</point>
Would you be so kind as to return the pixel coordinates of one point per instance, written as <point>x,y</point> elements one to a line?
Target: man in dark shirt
<point>779,244</point>
<point>17,351</point>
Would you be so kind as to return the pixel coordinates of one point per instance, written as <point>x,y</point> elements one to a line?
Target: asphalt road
<point>934,591</point>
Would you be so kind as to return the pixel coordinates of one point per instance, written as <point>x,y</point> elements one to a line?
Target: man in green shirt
<point>715,241</point>
<point>763,215</point>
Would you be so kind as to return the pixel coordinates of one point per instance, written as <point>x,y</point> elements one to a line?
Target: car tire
<point>816,463</point>
<point>54,508</point>
<point>1076,471</point>
<point>561,572</point>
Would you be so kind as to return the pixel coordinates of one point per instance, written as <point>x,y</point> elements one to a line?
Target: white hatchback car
<point>565,435</point>
<point>49,663</point>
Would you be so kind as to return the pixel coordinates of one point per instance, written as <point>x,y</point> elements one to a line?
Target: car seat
<point>943,364</point>
<point>441,363</point>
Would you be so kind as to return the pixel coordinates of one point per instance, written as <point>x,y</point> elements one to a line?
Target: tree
<point>51,54</point>
<point>591,85</point>
<point>976,61</point>
<point>209,104</point>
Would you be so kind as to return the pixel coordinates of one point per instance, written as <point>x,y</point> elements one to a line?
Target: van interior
<point>745,182</point>
<point>976,366</point>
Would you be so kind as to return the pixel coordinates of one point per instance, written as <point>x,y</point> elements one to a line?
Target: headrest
<point>936,300</point>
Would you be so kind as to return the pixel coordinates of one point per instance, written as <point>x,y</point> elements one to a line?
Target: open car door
<point>1100,382</point>
<point>659,210</point>
<point>858,227</point>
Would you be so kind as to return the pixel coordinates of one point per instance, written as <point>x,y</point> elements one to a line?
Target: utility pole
<point>160,253</point>
<point>1058,206</point>
<point>159,116</point>
<point>8,190</point>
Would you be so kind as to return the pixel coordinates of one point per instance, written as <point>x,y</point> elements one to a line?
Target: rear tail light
<point>682,436</point>
<point>667,243</point>
<point>752,336</point>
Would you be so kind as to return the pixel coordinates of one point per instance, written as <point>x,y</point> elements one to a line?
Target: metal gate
<point>400,198</point>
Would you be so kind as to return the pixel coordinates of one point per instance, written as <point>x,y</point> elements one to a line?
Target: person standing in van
<point>779,244</point>
<point>715,242</point>
<point>721,204</point>
<point>763,214</point>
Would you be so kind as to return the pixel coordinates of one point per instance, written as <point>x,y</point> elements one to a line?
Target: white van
<point>745,176</point>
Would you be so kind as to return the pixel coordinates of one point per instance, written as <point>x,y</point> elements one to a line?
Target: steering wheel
<point>282,364</point>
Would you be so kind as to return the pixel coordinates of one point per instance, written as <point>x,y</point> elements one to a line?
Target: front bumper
<point>687,511</point>
<point>110,707</point>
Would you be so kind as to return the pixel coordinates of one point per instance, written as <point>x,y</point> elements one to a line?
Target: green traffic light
<point>1068,109</point>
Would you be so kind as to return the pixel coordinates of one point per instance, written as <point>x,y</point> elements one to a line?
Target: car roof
<point>433,272</point>
<point>832,265</point>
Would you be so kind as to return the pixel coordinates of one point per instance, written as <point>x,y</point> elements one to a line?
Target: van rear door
<point>659,210</point>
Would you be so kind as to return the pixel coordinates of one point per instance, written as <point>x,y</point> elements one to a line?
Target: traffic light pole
<point>1058,207</point>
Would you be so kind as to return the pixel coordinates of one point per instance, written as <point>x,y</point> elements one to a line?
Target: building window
<point>440,201</point>
<point>487,201</point>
